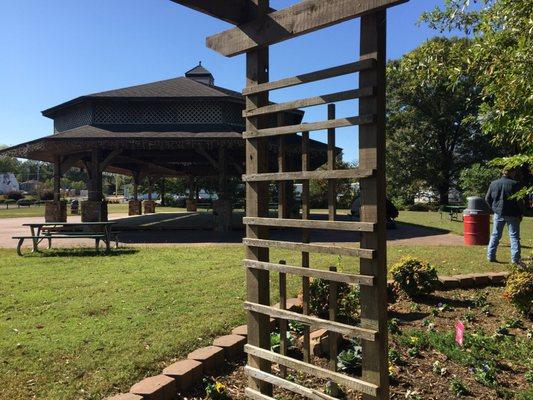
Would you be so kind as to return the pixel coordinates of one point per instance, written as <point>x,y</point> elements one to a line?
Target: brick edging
<point>184,374</point>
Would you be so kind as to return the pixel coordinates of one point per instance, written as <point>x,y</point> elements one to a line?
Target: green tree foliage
<point>432,129</point>
<point>475,180</point>
<point>318,189</point>
<point>501,62</point>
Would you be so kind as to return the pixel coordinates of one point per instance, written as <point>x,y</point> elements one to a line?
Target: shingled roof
<point>175,88</point>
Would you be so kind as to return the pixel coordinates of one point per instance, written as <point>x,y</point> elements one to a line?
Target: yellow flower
<point>219,387</point>
<point>414,340</point>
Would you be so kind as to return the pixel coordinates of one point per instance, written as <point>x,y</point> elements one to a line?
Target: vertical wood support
<point>222,173</point>
<point>332,195</point>
<point>283,211</point>
<point>372,156</point>
<point>136,179</point>
<point>57,178</point>
<point>305,239</point>
<point>257,281</point>
<point>95,187</point>
<point>333,336</point>
<point>283,325</point>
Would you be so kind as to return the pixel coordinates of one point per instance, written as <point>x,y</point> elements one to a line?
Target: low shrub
<point>46,195</point>
<point>350,360</point>
<point>25,202</point>
<point>415,277</point>
<point>347,300</point>
<point>519,290</point>
<point>14,195</point>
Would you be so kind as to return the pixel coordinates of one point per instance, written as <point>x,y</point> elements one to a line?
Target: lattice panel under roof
<point>146,113</point>
<point>74,117</point>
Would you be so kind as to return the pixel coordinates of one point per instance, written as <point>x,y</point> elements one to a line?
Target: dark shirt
<point>497,197</point>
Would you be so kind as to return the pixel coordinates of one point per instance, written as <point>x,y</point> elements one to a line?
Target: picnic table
<point>453,212</point>
<point>99,231</point>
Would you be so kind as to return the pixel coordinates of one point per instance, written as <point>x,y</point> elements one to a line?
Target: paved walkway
<point>195,229</point>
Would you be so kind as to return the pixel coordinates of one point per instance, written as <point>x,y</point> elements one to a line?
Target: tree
<point>500,60</point>
<point>9,164</point>
<point>474,181</point>
<point>432,128</point>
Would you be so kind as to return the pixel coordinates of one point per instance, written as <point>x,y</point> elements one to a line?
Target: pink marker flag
<point>459,332</point>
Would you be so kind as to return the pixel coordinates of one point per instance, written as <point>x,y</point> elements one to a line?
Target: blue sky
<point>52,51</point>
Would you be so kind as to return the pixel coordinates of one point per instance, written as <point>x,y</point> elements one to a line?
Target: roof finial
<point>200,63</point>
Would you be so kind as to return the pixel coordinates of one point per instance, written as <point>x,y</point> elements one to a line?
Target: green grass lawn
<point>77,325</point>
<point>38,211</point>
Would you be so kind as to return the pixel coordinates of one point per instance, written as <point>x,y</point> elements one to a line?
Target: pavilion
<point>185,126</point>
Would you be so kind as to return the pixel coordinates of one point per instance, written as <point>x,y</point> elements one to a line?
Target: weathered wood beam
<point>301,18</point>
<point>233,11</point>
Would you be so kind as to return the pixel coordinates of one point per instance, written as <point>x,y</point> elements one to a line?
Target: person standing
<point>507,210</point>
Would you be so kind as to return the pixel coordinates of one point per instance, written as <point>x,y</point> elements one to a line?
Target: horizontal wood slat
<point>310,224</point>
<point>255,395</point>
<point>354,173</point>
<point>366,280</point>
<point>285,384</point>
<point>311,101</point>
<point>311,248</point>
<point>344,329</point>
<point>309,77</point>
<point>344,380</point>
<point>304,17</point>
<point>313,126</point>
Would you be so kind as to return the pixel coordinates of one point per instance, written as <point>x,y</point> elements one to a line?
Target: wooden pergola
<point>257,28</point>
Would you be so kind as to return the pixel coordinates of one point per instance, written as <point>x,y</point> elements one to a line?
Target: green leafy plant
<point>394,356</point>
<point>415,277</point>
<point>394,325</point>
<point>485,373</point>
<point>215,390</point>
<point>519,290</point>
<point>469,316</point>
<point>528,376</point>
<point>439,369</point>
<point>458,388</point>
<point>296,327</point>
<point>350,360</point>
<point>275,341</point>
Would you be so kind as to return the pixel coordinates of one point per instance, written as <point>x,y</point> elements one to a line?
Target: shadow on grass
<point>82,252</point>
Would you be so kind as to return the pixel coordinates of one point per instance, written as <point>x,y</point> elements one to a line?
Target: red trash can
<point>476,222</point>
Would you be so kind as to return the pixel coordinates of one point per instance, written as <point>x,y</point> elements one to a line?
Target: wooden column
<point>190,185</point>
<point>283,205</point>
<point>136,179</point>
<point>372,156</point>
<point>222,173</point>
<point>95,174</point>
<point>57,178</point>
<point>306,212</point>
<point>150,181</point>
<point>332,194</point>
<point>257,281</point>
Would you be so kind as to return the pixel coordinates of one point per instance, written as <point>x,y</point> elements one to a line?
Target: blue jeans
<point>513,224</point>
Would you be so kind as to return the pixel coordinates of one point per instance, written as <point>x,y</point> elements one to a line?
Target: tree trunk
<point>443,194</point>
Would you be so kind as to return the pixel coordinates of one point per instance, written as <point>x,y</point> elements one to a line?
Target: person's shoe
<point>520,264</point>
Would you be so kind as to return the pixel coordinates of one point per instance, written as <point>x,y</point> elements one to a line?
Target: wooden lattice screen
<point>258,28</point>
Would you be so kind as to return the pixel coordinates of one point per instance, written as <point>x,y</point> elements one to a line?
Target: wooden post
<point>150,187</point>
<point>136,178</point>
<point>57,178</point>
<point>372,156</point>
<point>257,281</point>
<point>95,183</point>
<point>333,336</point>
<point>191,188</point>
<point>283,211</point>
<point>222,173</point>
<point>305,239</point>
<point>282,322</point>
<point>332,195</point>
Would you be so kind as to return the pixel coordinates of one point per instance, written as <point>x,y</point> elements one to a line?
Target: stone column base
<point>135,207</point>
<point>55,211</point>
<point>191,205</point>
<point>149,206</point>
<point>94,211</point>
<point>222,213</point>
